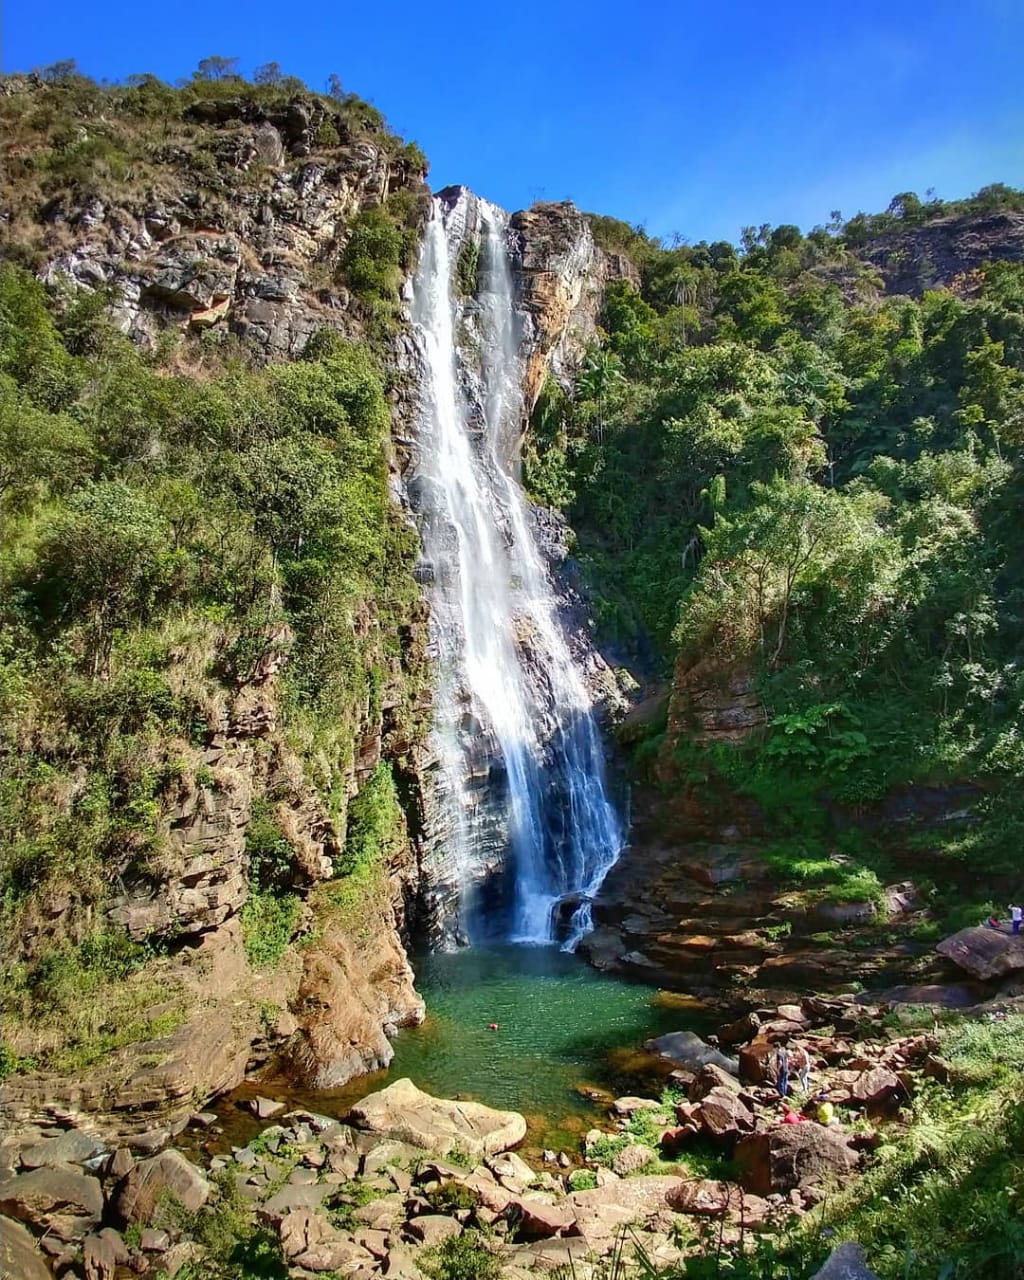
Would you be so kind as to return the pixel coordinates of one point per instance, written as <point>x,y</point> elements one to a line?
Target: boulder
<point>700,1196</point>
<point>403,1112</point>
<point>391,1152</point>
<point>740,1031</point>
<point>876,1086</point>
<point>266,1108</point>
<point>984,953</point>
<point>60,1201</point>
<point>628,1106</point>
<point>511,1170</point>
<point>431,1228</point>
<point>724,1117</point>
<point>102,1254</point>
<point>632,1159</point>
<point>757,1062</point>
<point>534,1218</point>
<point>166,1176</point>
<point>19,1257</point>
<point>601,1212</point>
<point>789,1156</point>
<point>711,1077</point>
<point>72,1147</point>
<point>845,1263</point>
<point>689,1050</point>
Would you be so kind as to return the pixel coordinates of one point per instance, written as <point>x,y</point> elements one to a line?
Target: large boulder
<point>601,1212</point>
<point>168,1176</point>
<point>60,1201</point>
<point>71,1147</point>
<point>985,953</point>
<point>18,1255</point>
<point>791,1156</point>
<point>689,1050</point>
<point>724,1117</point>
<point>406,1113</point>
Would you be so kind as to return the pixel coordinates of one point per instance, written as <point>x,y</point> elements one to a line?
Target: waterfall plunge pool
<point>561,1026</point>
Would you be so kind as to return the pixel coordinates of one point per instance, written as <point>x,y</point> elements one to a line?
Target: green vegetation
<point>464,1257</point>
<point>166,538</point>
<point>775,470</point>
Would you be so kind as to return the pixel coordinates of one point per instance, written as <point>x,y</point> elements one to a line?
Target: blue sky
<point>696,118</point>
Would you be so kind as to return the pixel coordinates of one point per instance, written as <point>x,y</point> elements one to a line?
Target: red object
<point>793,1117</point>
<point>492,1026</point>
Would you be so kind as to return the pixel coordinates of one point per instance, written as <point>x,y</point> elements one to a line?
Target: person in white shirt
<point>1015,918</point>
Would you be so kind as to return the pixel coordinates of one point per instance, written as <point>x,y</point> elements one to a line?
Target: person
<point>826,1112</point>
<point>800,1062</point>
<point>782,1069</point>
<point>993,922</point>
<point>1015,918</point>
<point>789,1116</point>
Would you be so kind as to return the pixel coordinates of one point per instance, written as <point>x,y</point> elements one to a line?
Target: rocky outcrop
<point>983,952</point>
<point>792,1156</point>
<point>914,257</point>
<point>403,1112</point>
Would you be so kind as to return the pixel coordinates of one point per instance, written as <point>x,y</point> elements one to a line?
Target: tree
<point>104,561</point>
<point>335,88</point>
<point>269,73</point>
<point>217,68</point>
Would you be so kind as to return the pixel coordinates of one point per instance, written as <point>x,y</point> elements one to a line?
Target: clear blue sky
<point>697,118</point>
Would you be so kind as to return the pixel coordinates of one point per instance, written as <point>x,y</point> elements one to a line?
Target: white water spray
<point>519,750</point>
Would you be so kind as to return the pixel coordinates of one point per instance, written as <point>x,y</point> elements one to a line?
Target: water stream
<point>532,831</point>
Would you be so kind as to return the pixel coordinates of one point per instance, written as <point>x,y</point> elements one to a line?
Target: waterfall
<point>532,831</point>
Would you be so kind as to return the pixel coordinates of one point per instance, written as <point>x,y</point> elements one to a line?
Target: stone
<point>203,1119</point>
<point>788,1156</point>
<point>406,1113</point>
<point>533,1217</point>
<point>168,1175</point>
<point>711,1077</point>
<point>509,1167</point>
<point>146,1144</point>
<point>19,1257</point>
<point>689,1050</point>
<point>700,1196</point>
<point>845,1263</point>
<point>876,1086</point>
<point>431,1228</point>
<point>382,1214</point>
<point>724,1117</point>
<point>985,953</point>
<point>61,1201</point>
<point>628,1106</point>
<point>487,1191</point>
<point>740,1031</point>
<point>71,1147</point>
<point>632,1159</point>
<point>102,1254</point>
<point>601,1212</point>
<point>391,1152</point>
<point>154,1241</point>
<point>290,1199</point>
<point>757,1062</point>
<point>266,1108</point>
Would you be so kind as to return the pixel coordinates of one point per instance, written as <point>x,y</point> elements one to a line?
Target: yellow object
<point>826,1113</point>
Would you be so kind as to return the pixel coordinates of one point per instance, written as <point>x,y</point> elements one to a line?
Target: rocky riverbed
<point>388,1188</point>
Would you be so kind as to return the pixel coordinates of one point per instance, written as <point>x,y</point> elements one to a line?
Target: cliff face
<point>225,228</point>
<point>916,257</point>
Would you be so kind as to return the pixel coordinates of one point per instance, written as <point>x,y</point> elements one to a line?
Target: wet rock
<point>788,1156</point>
<point>984,953</point>
<point>168,1174</point>
<point>19,1257</point>
<point>403,1112</point>
<point>689,1050</point>
<point>61,1201</point>
<point>846,1263</point>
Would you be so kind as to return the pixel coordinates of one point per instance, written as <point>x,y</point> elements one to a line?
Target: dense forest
<point>771,461</point>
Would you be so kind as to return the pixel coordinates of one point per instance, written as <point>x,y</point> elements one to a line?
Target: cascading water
<point>519,750</point>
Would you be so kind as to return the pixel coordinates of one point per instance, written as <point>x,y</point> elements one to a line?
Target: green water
<point>560,1025</point>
